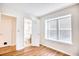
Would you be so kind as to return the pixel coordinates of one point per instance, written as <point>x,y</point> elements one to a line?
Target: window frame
<point>59,40</point>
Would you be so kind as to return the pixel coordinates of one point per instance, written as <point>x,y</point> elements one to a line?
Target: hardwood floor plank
<point>35,51</point>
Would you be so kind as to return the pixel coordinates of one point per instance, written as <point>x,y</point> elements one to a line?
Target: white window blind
<point>59,29</point>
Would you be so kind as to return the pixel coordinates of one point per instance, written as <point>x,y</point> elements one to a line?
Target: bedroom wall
<point>72,49</point>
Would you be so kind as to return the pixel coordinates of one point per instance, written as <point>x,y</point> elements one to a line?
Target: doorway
<point>27,32</point>
<point>7,34</point>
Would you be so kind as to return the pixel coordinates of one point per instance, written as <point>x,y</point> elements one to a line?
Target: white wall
<point>66,48</point>
<point>35,32</point>
<point>19,33</point>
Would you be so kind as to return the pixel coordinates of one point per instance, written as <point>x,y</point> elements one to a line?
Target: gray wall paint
<point>66,48</point>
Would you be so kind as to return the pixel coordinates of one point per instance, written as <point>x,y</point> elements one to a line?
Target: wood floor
<point>35,51</point>
<point>7,49</point>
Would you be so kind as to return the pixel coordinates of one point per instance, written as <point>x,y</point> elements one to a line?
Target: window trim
<point>58,40</point>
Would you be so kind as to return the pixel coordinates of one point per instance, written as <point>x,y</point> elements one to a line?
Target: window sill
<point>61,41</point>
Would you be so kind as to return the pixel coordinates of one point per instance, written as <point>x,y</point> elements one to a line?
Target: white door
<point>35,32</point>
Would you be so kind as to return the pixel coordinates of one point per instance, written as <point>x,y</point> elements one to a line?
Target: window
<point>59,29</point>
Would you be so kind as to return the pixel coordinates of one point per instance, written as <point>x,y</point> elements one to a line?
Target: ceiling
<point>36,9</point>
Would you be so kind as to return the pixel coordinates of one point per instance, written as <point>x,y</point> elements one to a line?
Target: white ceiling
<point>36,9</point>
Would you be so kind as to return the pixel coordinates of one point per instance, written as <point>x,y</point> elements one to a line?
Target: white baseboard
<point>56,49</point>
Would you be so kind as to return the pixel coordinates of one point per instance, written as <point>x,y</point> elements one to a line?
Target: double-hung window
<point>59,29</point>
